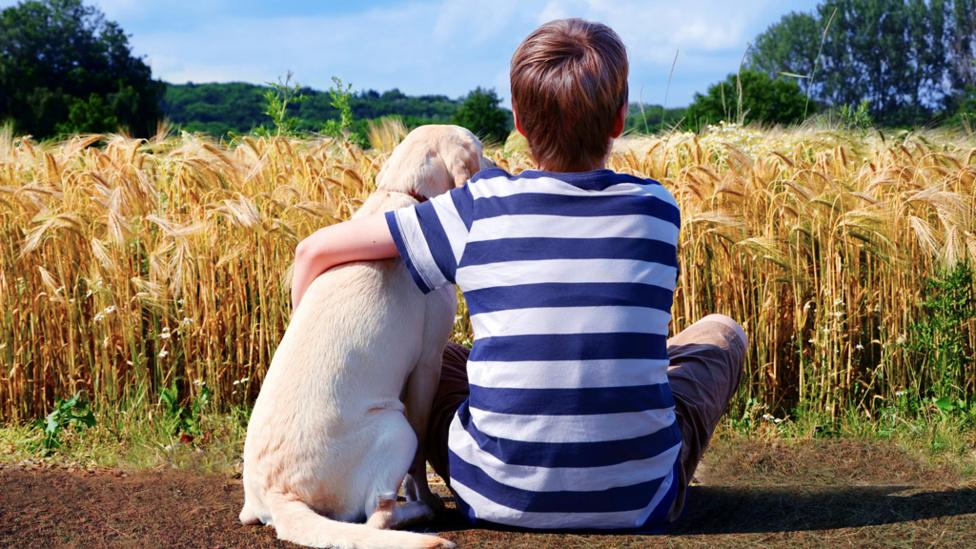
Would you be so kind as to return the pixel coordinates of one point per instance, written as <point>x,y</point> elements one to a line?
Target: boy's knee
<point>733,328</point>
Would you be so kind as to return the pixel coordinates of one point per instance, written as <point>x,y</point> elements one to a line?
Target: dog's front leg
<point>421,388</point>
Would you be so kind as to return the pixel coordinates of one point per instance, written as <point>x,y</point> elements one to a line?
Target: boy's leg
<point>451,392</point>
<point>706,364</point>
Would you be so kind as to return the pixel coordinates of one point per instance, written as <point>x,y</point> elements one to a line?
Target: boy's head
<point>569,84</point>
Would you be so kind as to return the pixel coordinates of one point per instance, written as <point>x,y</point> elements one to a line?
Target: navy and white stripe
<point>569,280</point>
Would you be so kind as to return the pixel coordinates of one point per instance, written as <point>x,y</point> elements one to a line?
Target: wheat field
<point>131,265</point>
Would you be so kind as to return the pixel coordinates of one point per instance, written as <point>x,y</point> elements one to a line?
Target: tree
<point>764,100</point>
<point>907,58</point>
<point>481,114</point>
<point>64,68</point>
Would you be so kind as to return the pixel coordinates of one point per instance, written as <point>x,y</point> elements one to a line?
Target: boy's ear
<point>518,124</point>
<point>619,122</point>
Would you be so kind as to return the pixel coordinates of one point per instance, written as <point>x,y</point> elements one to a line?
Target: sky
<point>445,47</point>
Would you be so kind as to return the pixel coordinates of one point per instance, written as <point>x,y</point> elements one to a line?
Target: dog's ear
<point>464,157</point>
<point>463,163</point>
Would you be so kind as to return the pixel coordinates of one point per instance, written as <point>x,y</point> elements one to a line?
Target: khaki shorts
<point>706,364</point>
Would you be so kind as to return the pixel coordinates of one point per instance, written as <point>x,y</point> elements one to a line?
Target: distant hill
<point>238,107</point>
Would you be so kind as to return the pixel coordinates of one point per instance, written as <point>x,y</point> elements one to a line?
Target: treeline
<point>909,62</point>
<point>237,107</point>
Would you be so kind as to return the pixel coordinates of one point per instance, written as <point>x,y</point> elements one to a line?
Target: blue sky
<point>432,46</point>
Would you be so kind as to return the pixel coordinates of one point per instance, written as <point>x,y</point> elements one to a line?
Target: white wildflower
<point>768,417</point>
<point>198,382</point>
<point>859,347</point>
<point>163,353</point>
<point>165,334</point>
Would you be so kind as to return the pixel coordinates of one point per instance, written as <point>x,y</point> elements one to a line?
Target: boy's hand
<point>358,239</point>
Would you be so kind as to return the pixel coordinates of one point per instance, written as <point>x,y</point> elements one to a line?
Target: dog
<point>329,441</point>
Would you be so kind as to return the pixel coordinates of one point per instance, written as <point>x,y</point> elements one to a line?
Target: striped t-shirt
<point>569,280</point>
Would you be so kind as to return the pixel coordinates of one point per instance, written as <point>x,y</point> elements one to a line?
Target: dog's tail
<point>294,521</point>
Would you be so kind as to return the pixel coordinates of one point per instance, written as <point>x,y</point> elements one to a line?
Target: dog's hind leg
<point>394,450</point>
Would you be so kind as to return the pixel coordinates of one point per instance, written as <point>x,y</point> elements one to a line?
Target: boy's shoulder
<point>497,183</point>
<point>591,180</point>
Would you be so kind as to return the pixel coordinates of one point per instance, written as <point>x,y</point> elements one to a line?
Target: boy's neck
<point>601,165</point>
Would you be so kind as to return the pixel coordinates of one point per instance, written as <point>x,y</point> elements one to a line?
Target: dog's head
<point>432,160</point>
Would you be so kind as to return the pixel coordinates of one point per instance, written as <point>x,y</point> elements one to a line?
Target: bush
<point>482,114</point>
<point>763,100</point>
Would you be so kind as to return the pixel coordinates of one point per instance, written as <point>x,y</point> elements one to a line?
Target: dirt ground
<point>819,493</point>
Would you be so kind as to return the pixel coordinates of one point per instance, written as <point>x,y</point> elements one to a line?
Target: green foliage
<point>480,112</point>
<point>908,58</point>
<point>652,118</point>
<point>73,413</point>
<point>64,68</point>
<point>788,47</point>
<point>939,338</point>
<point>762,100</point>
<point>181,418</point>
<point>856,118</point>
<point>276,101</point>
<point>965,109</point>
<point>216,109</point>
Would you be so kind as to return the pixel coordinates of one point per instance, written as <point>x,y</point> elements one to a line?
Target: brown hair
<point>569,81</point>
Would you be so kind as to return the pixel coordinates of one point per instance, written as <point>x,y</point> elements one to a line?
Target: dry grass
<point>131,264</point>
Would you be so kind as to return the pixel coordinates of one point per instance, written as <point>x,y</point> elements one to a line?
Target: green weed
<point>277,99</point>
<point>939,339</point>
<point>856,118</point>
<point>183,418</point>
<point>72,413</point>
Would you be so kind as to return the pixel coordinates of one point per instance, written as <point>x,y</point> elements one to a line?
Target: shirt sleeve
<point>431,236</point>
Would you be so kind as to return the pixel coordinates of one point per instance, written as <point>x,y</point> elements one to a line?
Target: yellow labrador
<point>329,435</point>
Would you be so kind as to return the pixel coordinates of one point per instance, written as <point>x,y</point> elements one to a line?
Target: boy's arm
<point>359,239</point>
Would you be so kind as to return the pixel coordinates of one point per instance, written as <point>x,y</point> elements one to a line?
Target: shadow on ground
<point>736,510</point>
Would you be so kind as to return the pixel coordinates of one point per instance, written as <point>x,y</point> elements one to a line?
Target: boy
<point>572,409</point>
